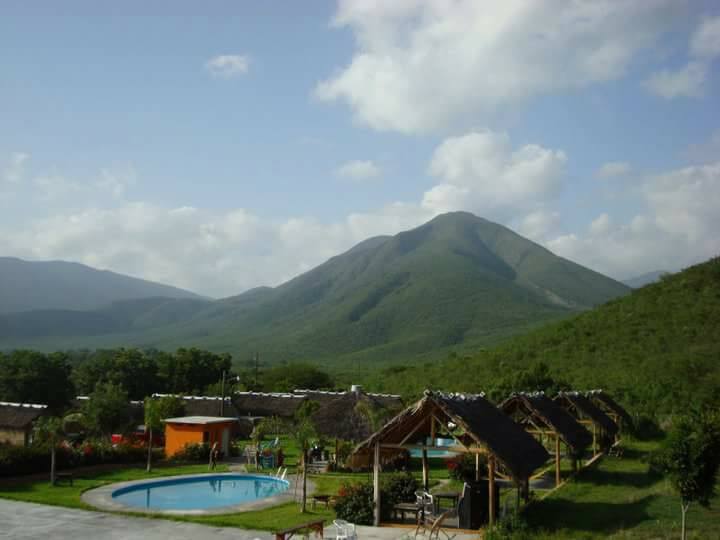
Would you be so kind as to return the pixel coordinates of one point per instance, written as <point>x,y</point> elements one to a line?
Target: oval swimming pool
<point>199,493</point>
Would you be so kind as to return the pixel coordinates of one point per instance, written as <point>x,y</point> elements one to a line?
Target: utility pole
<point>222,392</point>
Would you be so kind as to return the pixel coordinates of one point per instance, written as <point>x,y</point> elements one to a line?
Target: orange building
<point>197,429</point>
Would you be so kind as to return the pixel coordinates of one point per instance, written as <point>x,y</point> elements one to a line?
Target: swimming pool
<point>203,492</point>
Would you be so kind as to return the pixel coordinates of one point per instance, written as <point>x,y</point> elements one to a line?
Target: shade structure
<point>609,406</point>
<point>583,409</point>
<point>351,416</point>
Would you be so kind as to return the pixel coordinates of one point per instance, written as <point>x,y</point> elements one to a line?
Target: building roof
<point>605,402</point>
<point>199,420</point>
<point>343,418</point>
<point>541,409</point>
<point>278,404</point>
<point>204,405</point>
<point>575,401</point>
<point>483,424</point>
<point>19,415</point>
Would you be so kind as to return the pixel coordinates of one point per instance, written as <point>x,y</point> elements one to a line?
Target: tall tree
<point>303,433</point>
<point>107,410</point>
<point>49,430</point>
<point>33,377</point>
<point>690,457</point>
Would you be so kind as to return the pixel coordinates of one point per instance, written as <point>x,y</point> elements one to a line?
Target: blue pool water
<point>436,453</point>
<point>197,493</point>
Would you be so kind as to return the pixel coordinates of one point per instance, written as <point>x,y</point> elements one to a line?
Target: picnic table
<point>64,476</point>
<point>452,496</point>
<point>322,498</point>
<point>315,526</point>
<point>400,509</point>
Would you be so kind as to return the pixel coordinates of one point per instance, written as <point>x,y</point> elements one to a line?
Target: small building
<point>16,421</point>
<point>197,430</point>
<point>214,406</point>
<point>254,405</point>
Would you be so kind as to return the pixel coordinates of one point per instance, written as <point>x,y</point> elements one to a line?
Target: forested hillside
<point>656,349</point>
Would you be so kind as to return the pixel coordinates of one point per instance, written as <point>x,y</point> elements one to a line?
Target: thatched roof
<point>389,401</point>
<point>282,405</point>
<point>582,408</point>
<point>606,403</point>
<point>205,405</point>
<point>19,415</point>
<point>542,410</point>
<point>483,424</point>
<point>343,416</point>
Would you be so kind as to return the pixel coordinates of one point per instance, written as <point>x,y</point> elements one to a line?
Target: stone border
<point>101,498</point>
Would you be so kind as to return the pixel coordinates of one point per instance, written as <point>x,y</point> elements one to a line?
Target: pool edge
<point>101,497</point>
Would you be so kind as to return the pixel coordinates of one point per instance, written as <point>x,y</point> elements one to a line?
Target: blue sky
<point>241,145</point>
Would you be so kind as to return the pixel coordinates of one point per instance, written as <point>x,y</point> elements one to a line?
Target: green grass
<point>620,498</point>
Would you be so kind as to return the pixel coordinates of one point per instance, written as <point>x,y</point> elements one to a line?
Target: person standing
<point>214,452</point>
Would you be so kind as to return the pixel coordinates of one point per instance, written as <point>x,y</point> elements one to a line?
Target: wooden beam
<point>594,433</point>
<point>426,470</point>
<point>557,460</point>
<point>413,431</point>
<point>457,449</point>
<point>477,467</point>
<point>376,485</point>
<point>491,490</point>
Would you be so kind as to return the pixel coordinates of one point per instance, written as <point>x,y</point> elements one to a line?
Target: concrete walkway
<point>27,520</point>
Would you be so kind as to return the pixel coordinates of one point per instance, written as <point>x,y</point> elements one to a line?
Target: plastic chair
<point>345,530</point>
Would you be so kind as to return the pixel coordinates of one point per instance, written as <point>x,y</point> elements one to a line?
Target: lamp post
<point>236,378</point>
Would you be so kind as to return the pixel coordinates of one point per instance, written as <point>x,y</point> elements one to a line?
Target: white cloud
<point>539,225</point>
<point>481,172</point>
<point>228,65</point>
<point>706,151</point>
<point>690,80</point>
<point>613,169</point>
<point>423,66</point>
<point>687,82</point>
<point>677,228</point>
<point>15,168</point>
<point>705,42</point>
<point>358,170</point>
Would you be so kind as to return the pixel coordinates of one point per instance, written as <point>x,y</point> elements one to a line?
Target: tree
<point>107,410</point>
<point>303,433</point>
<point>289,377</point>
<point>690,457</point>
<point>157,410</point>
<point>49,430</point>
<point>33,377</point>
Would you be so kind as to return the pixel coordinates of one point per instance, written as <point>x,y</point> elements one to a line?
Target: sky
<point>227,145</point>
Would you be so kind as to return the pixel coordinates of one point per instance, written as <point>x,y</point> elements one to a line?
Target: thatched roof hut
<point>477,427</point>
<point>609,406</point>
<point>16,421</point>
<point>388,401</point>
<point>537,410</point>
<point>586,413</point>
<point>483,426</point>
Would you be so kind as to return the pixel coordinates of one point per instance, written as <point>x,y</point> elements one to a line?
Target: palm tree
<point>152,420</point>
<point>49,429</point>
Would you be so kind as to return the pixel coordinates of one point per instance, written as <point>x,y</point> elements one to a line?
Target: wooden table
<point>321,498</point>
<point>452,496</point>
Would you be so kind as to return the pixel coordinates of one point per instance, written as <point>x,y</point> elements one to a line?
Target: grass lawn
<point>620,498</point>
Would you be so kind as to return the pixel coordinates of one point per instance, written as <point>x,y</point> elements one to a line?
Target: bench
<point>64,476</point>
<point>325,499</point>
<point>286,534</point>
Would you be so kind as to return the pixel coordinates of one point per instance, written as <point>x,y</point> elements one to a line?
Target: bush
<point>194,452</point>
<point>510,527</point>
<point>646,428</point>
<point>462,467</point>
<point>355,503</point>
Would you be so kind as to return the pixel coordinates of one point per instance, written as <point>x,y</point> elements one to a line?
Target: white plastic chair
<point>345,530</point>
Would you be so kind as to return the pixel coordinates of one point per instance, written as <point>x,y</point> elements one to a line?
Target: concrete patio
<point>28,520</point>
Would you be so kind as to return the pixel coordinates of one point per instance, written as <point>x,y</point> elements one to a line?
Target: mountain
<point>654,349</point>
<point>457,281</point>
<point>645,279</point>
<point>52,285</point>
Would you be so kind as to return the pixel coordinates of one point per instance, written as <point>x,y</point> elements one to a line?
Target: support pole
<point>557,460</point>
<point>491,490</point>
<point>376,484</point>
<point>425,478</point>
<point>477,467</point>
<point>594,439</point>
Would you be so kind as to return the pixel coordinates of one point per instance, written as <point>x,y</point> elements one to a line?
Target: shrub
<point>396,489</point>
<point>355,503</point>
<point>510,527</point>
<point>195,452</point>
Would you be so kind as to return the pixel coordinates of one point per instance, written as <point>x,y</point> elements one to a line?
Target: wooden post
<point>594,440</point>
<point>376,484</point>
<point>425,477</point>
<point>477,467</point>
<point>491,490</point>
<point>557,460</point>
